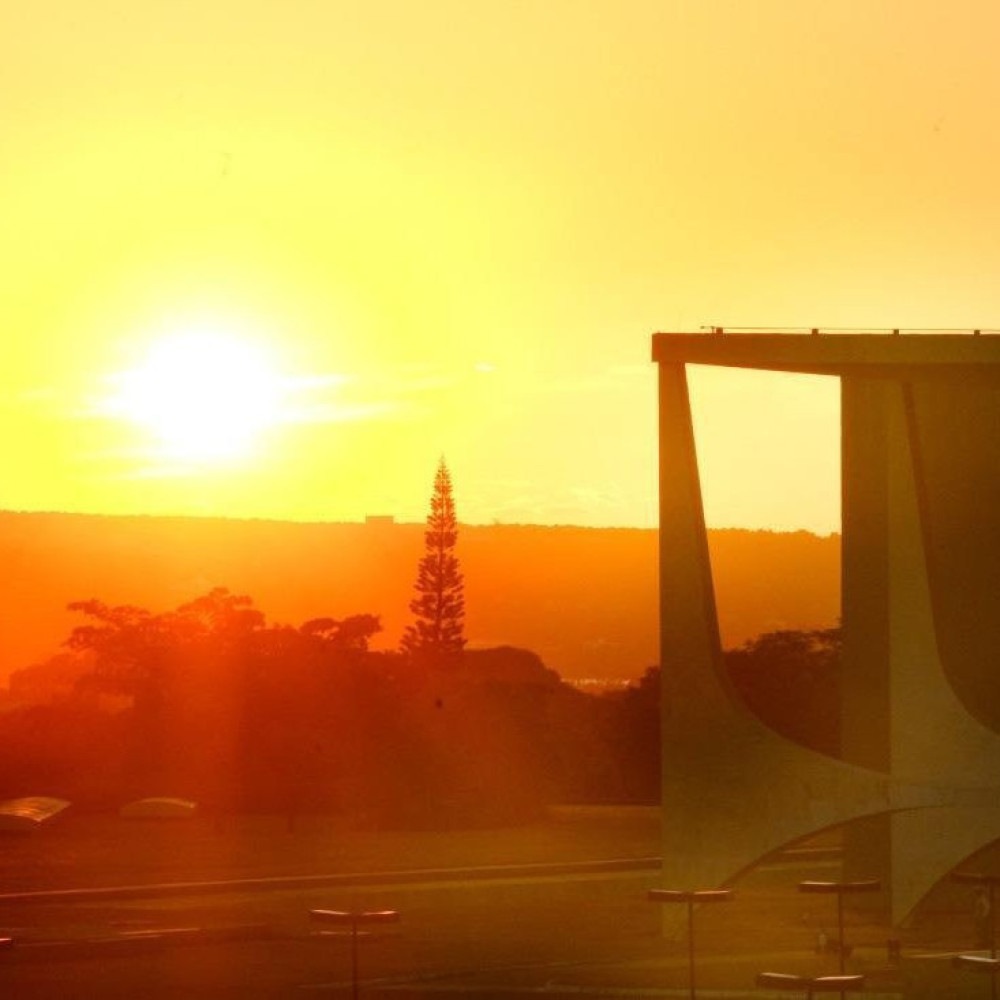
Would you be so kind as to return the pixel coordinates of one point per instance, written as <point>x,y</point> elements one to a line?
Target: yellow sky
<point>454,225</point>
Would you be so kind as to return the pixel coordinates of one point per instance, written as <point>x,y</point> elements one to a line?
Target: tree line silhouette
<point>210,701</point>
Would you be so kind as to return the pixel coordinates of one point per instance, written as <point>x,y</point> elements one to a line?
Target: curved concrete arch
<point>929,843</point>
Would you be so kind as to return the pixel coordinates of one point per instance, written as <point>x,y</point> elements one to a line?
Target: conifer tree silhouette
<point>439,604</point>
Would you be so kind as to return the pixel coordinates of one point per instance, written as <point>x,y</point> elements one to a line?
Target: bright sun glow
<point>205,395</point>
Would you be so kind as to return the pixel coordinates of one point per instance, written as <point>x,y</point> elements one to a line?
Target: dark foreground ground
<point>559,908</point>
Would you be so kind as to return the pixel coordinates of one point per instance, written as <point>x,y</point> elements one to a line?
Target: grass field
<point>96,850</point>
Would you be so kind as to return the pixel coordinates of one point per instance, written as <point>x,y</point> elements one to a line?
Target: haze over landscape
<point>584,599</point>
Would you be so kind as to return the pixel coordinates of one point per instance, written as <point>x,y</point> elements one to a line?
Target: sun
<point>205,395</point>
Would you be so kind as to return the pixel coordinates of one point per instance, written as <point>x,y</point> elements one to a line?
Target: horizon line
<point>391,521</point>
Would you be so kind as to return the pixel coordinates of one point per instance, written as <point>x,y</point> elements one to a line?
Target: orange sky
<point>452,226</point>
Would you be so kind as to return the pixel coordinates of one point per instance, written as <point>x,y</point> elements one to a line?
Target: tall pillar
<point>865,681</point>
<point>865,691</point>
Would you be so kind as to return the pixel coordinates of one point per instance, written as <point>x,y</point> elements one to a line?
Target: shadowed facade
<point>920,425</point>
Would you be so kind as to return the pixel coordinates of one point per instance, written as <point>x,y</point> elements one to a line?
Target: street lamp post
<point>810,984</point>
<point>690,897</point>
<point>840,889</point>
<point>354,919</point>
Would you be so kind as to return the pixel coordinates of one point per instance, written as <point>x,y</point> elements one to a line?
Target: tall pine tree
<point>439,604</point>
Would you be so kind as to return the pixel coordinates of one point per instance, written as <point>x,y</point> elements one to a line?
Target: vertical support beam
<point>693,712</point>
<point>865,669</point>
<point>865,691</point>
<point>955,433</point>
<point>690,654</point>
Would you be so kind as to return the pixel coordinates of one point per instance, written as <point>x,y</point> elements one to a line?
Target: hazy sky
<point>451,227</point>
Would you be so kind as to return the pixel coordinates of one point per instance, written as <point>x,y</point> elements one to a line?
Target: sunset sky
<point>394,230</point>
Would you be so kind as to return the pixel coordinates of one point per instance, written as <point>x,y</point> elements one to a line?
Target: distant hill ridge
<point>584,599</point>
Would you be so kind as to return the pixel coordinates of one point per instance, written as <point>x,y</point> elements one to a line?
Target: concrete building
<point>919,771</point>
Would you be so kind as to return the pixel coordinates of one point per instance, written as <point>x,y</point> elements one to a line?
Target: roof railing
<point>847,330</point>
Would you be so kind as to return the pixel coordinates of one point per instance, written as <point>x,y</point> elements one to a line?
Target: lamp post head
<point>860,885</point>
<point>977,963</point>
<point>975,878</point>
<point>354,916</point>
<point>689,895</point>
<point>811,984</point>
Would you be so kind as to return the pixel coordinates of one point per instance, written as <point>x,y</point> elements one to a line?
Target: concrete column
<point>866,695</point>
<point>865,691</point>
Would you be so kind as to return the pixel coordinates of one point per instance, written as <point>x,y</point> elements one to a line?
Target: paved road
<point>338,880</point>
<point>455,922</point>
<point>579,929</point>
